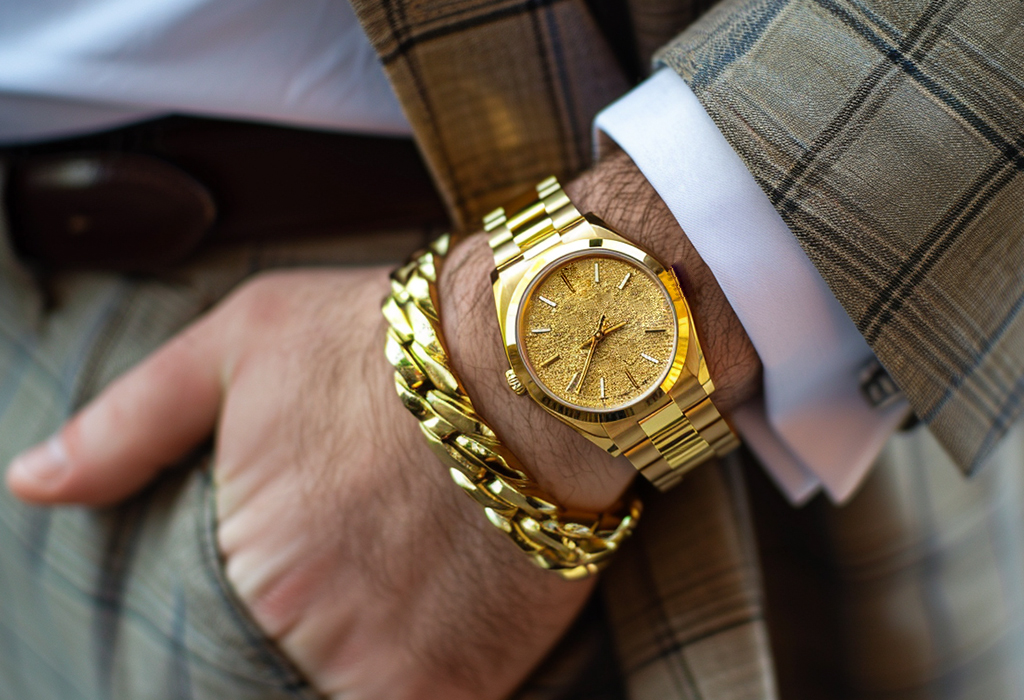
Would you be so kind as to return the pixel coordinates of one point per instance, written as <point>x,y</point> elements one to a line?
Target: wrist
<point>571,469</point>
<point>618,193</point>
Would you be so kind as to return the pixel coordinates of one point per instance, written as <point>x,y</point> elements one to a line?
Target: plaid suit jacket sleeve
<point>889,137</point>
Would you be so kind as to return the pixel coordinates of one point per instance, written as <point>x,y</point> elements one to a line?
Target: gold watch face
<point>597,331</point>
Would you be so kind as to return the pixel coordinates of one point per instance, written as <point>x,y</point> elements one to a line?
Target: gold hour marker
<point>631,379</point>
<point>625,280</point>
<point>551,360</point>
<point>649,358</point>
<point>565,278</point>
<point>547,301</point>
<point>574,383</point>
<point>602,389</point>
<point>654,330</point>
<point>597,273</point>
<point>540,330</point>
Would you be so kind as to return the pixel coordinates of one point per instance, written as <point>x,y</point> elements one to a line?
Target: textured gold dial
<point>597,332</point>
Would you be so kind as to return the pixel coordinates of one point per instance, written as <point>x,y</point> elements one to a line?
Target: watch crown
<point>514,384</point>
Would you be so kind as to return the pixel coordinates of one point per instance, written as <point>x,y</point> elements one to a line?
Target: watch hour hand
<point>609,329</point>
<point>604,334</point>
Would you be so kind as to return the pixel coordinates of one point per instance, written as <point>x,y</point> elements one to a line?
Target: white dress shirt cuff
<point>814,429</point>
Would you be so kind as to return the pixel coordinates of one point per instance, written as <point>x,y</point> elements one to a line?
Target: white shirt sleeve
<point>815,429</point>
<point>70,67</point>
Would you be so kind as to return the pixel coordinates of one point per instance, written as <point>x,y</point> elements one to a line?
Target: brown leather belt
<point>151,194</point>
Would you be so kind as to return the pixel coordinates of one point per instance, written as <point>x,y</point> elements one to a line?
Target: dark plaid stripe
<point>421,93</point>
<point>445,25</point>
<point>574,142</point>
<point>923,258</point>
<point>731,41</point>
<point>867,97</point>
<point>179,676</point>
<point>663,633</point>
<point>905,56</point>
<point>1007,416</point>
<point>942,628</point>
<point>967,371</point>
<point>909,64</point>
<point>547,76</point>
<point>114,571</point>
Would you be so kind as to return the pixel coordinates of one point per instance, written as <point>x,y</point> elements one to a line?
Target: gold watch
<point>598,332</point>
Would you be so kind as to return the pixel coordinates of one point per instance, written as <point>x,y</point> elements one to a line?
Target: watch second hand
<point>590,355</point>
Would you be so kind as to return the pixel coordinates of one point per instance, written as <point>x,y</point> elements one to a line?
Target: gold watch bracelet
<point>573,544</point>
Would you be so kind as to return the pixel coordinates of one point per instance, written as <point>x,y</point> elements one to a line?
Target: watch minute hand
<point>590,355</point>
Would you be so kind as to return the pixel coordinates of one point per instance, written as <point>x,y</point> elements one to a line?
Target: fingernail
<point>44,464</point>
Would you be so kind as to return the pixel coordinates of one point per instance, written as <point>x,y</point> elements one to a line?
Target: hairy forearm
<point>573,470</point>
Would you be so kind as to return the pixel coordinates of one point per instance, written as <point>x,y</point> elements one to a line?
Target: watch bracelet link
<point>675,438</point>
<point>572,544</point>
<point>537,219</point>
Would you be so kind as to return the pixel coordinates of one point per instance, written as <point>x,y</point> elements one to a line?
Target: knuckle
<point>172,365</point>
<point>258,310</point>
<point>263,300</point>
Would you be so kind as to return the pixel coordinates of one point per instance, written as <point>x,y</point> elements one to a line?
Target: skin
<point>341,531</point>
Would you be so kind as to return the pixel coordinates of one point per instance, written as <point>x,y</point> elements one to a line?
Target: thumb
<point>141,423</point>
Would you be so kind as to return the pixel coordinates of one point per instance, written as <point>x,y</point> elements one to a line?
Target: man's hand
<point>342,532</point>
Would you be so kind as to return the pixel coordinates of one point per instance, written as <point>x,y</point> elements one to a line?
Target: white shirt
<point>74,66</point>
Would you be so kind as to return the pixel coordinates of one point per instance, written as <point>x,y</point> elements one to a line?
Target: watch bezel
<point>604,241</point>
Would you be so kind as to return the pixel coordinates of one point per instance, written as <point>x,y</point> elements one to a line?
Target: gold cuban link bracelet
<point>572,544</point>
